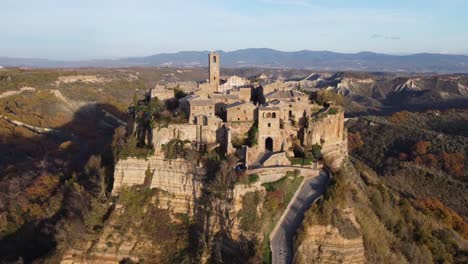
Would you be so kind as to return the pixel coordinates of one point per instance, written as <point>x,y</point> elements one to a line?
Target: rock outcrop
<point>178,178</point>
<point>326,244</point>
<point>329,132</point>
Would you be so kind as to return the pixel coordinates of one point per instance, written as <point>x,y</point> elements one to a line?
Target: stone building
<point>269,127</point>
<point>200,106</point>
<point>161,93</point>
<point>220,114</point>
<point>222,111</point>
<point>213,64</point>
<point>240,112</point>
<point>231,82</point>
<point>243,92</point>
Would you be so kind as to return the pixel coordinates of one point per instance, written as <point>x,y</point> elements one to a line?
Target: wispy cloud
<point>379,36</point>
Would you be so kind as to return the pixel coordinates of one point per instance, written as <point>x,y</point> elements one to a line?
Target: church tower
<point>213,63</point>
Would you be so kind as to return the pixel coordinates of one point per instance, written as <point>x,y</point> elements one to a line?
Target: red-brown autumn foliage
<point>402,156</point>
<point>430,160</point>
<point>454,163</point>
<point>42,187</point>
<point>354,141</point>
<point>275,199</point>
<point>399,117</point>
<point>447,215</point>
<point>421,147</point>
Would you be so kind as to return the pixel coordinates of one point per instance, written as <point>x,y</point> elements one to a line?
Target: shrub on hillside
<point>248,213</point>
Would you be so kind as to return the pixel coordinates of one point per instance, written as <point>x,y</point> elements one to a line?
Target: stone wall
<point>162,136</point>
<point>277,159</point>
<point>239,129</point>
<point>329,132</point>
<point>241,112</point>
<point>209,134</point>
<point>177,177</point>
<point>272,174</point>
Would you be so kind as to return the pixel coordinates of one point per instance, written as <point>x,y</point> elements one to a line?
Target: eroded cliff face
<point>180,179</point>
<point>325,244</point>
<point>148,234</point>
<point>329,132</point>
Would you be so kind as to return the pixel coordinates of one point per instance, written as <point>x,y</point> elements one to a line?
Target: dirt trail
<point>11,93</point>
<point>40,130</point>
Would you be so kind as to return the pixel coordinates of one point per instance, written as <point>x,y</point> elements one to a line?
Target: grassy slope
<point>409,211</point>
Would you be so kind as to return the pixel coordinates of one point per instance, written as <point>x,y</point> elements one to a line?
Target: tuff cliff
<point>179,179</point>
<point>327,129</point>
<point>326,244</point>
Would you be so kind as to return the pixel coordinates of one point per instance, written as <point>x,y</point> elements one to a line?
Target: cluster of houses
<point>223,110</point>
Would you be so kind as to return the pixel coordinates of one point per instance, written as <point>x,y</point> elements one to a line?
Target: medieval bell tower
<point>213,63</point>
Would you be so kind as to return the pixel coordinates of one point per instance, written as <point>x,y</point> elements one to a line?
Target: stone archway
<point>269,144</point>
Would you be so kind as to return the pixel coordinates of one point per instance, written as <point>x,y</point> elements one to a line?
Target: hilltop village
<point>264,124</point>
<point>208,153</point>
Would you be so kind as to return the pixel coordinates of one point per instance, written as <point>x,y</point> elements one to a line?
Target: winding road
<point>282,237</point>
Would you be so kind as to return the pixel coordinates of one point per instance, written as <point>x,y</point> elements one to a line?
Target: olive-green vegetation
<point>333,111</point>
<point>248,179</point>
<point>250,138</point>
<point>431,147</point>
<point>252,135</point>
<point>248,215</point>
<point>403,184</point>
<point>303,156</point>
<point>324,96</point>
<point>176,149</point>
<point>130,150</point>
<point>393,227</point>
<point>141,216</point>
<point>301,161</point>
<point>273,202</point>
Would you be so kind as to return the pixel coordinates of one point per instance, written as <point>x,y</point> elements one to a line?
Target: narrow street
<point>282,241</point>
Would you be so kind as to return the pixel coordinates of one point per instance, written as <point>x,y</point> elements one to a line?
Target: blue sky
<point>85,29</point>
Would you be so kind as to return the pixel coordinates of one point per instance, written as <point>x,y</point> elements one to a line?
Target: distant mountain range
<point>269,58</point>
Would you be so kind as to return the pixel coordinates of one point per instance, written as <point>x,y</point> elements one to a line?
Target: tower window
<point>214,59</point>
<point>269,124</point>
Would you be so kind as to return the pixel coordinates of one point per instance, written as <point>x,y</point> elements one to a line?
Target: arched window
<point>214,59</point>
<point>273,115</point>
<point>205,120</point>
<point>268,115</point>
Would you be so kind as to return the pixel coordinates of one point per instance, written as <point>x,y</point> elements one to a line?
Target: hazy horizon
<point>227,51</point>
<point>69,30</point>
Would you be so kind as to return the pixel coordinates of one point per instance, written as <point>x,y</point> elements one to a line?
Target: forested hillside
<point>406,184</point>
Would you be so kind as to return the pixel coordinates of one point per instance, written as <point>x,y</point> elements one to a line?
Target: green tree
<point>316,151</point>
